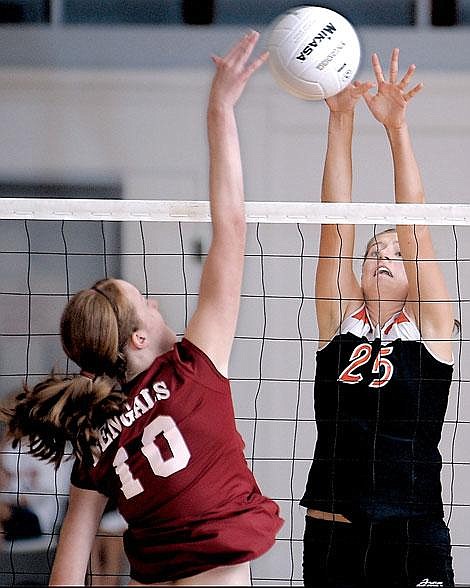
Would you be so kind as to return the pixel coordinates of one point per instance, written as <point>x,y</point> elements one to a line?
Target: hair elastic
<point>88,375</point>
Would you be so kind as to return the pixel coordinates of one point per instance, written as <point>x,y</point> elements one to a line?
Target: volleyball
<point>314,52</point>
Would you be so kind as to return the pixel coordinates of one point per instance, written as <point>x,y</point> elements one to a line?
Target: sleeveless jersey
<point>380,398</point>
<point>174,463</point>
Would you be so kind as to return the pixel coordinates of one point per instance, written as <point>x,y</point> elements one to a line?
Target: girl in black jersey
<point>384,368</point>
<point>150,418</point>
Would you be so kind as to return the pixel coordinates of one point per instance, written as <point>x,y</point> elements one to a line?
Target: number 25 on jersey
<point>359,357</point>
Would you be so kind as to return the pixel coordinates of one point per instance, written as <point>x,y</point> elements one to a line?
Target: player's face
<point>148,313</point>
<point>383,272</point>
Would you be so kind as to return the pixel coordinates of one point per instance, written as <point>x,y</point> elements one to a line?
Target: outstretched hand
<point>345,101</point>
<point>389,104</point>
<point>233,71</point>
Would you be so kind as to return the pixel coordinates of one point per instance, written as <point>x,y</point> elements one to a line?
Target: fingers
<point>407,77</point>
<point>239,54</point>
<point>409,95</point>
<point>379,76</point>
<point>233,70</point>
<point>241,51</point>
<point>257,63</point>
<point>393,74</point>
<point>394,65</point>
<point>361,88</point>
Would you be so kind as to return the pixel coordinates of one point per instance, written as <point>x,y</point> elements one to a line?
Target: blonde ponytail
<point>60,410</point>
<point>95,327</point>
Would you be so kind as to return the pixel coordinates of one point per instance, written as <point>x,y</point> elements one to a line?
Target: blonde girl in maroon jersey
<point>150,418</point>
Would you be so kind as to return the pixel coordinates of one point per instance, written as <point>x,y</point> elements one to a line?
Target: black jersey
<point>380,399</point>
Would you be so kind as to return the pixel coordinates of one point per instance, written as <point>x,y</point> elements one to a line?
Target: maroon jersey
<point>173,460</point>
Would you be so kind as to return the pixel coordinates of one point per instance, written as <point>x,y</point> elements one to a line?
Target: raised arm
<point>337,290</point>
<point>76,537</point>
<point>213,324</point>
<point>428,298</point>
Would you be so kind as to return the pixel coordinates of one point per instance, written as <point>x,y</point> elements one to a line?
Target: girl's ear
<point>139,339</point>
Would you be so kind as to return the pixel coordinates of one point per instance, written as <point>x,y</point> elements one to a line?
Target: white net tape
<point>357,213</point>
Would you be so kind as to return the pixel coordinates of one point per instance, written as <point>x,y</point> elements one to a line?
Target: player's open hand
<point>345,101</point>
<point>389,104</point>
<point>233,71</point>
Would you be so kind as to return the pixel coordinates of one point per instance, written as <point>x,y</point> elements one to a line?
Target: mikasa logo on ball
<point>325,33</point>
<point>314,52</point>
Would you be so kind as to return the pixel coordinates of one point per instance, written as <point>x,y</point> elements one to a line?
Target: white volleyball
<point>314,52</point>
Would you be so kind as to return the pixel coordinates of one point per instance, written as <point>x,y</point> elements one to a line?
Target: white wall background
<point>147,129</point>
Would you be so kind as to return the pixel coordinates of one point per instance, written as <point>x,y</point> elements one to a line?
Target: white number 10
<point>166,426</point>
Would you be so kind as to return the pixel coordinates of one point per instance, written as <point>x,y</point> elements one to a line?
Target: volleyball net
<point>51,248</point>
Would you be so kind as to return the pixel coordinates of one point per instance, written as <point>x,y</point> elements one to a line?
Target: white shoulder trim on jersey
<point>399,326</point>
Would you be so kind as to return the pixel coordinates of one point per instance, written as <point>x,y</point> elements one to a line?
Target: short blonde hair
<point>373,240</point>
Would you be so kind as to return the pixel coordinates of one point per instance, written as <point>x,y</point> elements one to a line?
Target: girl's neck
<point>380,312</point>
<point>138,362</point>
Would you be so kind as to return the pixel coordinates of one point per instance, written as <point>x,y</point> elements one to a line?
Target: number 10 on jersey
<point>166,426</point>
